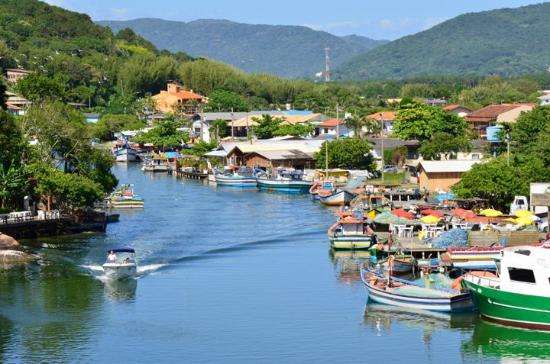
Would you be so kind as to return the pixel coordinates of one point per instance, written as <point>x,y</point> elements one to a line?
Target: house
<point>272,153</point>
<point>241,126</point>
<point>332,128</point>
<point>386,120</point>
<point>440,176</point>
<point>435,102</point>
<point>480,119</point>
<point>457,109</point>
<point>16,105</point>
<point>175,99</point>
<point>13,75</point>
<point>385,144</point>
<point>544,98</point>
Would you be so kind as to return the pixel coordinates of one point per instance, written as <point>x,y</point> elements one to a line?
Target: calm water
<point>225,275</point>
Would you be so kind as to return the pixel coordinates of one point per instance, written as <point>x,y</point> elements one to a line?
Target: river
<point>225,275</point>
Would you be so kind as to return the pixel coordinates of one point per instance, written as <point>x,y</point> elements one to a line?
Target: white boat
<point>336,198</point>
<point>289,181</point>
<point>243,178</point>
<point>156,164</point>
<point>351,233</point>
<point>120,264</point>
<point>126,154</point>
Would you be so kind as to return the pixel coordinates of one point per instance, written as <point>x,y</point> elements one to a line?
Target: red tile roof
<point>383,116</point>
<point>491,112</point>
<point>452,107</point>
<point>331,123</point>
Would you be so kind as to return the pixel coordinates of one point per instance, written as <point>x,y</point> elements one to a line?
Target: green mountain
<point>289,51</point>
<point>505,41</point>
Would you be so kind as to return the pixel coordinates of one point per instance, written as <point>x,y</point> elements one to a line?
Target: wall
<point>438,181</point>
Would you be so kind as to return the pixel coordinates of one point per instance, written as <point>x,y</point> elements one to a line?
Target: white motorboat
<point>120,264</point>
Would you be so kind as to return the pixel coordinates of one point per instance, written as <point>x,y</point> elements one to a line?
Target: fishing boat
<point>243,178</point>
<point>124,198</point>
<point>480,258</point>
<point>402,264</point>
<point>518,294</point>
<point>120,264</point>
<point>321,187</point>
<point>155,164</point>
<point>337,197</point>
<point>126,154</point>
<point>351,233</point>
<point>397,292</point>
<point>289,181</point>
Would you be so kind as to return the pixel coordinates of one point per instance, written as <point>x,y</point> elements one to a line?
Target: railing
<point>23,216</point>
<point>492,282</point>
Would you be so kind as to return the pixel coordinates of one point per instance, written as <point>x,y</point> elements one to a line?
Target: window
<point>521,275</point>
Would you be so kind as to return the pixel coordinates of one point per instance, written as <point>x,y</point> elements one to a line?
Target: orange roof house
<point>457,109</point>
<point>175,97</point>
<point>489,115</point>
<point>386,119</point>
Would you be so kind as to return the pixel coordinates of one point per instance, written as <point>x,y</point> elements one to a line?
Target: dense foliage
<point>109,124</point>
<point>165,135</point>
<point>499,180</point>
<point>253,48</point>
<point>504,41</point>
<point>349,153</point>
<point>268,127</point>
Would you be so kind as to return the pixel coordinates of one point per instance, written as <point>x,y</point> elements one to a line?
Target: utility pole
<point>232,130</point>
<point>337,122</point>
<point>508,147</point>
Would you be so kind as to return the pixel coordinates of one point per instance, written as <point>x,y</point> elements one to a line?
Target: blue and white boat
<point>126,154</point>
<point>288,181</point>
<point>120,264</point>
<point>402,293</point>
<point>243,178</point>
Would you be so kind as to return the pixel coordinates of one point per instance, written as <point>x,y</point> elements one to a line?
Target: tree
<point>219,128</point>
<point>348,153</point>
<point>12,143</point>
<point>164,135</point>
<point>38,88</point>
<point>419,121</point>
<point>109,124</point>
<point>266,126</point>
<point>13,185</point>
<point>355,123</point>
<point>297,130</point>
<point>223,100</point>
<point>525,132</point>
<point>444,145</point>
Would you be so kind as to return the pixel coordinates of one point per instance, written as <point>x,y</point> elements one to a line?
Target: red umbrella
<point>432,212</point>
<point>402,213</point>
<point>463,214</point>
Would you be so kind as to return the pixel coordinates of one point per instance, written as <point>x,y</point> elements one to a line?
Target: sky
<point>378,19</point>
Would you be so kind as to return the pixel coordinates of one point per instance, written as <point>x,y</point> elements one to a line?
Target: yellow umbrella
<point>524,221</point>
<point>430,219</point>
<point>490,213</point>
<point>372,214</point>
<point>524,213</point>
<point>510,219</point>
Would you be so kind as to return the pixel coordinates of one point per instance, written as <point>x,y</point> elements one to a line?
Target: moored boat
<point>124,198</point>
<point>335,198</point>
<point>519,294</point>
<point>126,154</point>
<point>243,178</point>
<point>472,258</point>
<point>322,187</point>
<point>396,292</point>
<point>120,264</point>
<point>351,233</point>
<point>401,264</point>
<point>289,181</point>
<point>156,164</point>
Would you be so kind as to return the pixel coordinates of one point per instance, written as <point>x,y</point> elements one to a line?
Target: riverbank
<point>226,275</point>
<point>33,229</point>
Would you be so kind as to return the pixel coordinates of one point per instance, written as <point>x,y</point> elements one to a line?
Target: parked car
<point>390,169</point>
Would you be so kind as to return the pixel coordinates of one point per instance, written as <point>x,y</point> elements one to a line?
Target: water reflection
<point>347,264</point>
<point>121,290</point>
<point>504,342</point>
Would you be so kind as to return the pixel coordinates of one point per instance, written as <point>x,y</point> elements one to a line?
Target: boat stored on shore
<point>402,293</point>
<point>120,264</point>
<point>519,294</point>
<point>289,181</point>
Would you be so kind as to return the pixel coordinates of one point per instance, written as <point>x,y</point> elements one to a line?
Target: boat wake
<point>98,273</point>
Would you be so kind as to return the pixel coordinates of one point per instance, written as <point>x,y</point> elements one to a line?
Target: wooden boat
<point>126,154</point>
<point>288,181</point>
<point>397,292</point>
<point>243,178</point>
<point>124,198</point>
<point>519,294</point>
<point>402,264</point>
<point>156,164</point>
<point>335,198</point>
<point>323,187</point>
<point>480,258</point>
<point>351,233</point>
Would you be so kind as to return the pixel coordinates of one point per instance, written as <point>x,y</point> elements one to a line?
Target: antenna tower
<point>327,64</point>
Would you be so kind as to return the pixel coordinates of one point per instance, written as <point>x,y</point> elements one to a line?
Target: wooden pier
<point>191,175</point>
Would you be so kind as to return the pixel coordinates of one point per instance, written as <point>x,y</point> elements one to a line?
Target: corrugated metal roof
<point>448,166</point>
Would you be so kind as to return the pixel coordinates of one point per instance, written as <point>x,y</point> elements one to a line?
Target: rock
<point>9,257</point>
<point>7,242</point>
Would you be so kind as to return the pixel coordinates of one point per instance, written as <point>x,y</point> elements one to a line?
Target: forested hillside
<point>505,42</point>
<point>288,51</point>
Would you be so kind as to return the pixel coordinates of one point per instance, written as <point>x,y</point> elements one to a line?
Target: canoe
<point>402,264</point>
<point>406,294</point>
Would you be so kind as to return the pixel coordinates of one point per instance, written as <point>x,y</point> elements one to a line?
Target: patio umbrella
<point>402,213</point>
<point>463,214</point>
<point>524,221</point>
<point>432,212</point>
<point>490,213</point>
<point>430,219</point>
<point>524,213</point>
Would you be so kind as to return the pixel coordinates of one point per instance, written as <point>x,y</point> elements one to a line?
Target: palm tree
<point>355,123</point>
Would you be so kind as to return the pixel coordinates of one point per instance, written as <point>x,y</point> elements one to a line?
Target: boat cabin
<point>121,256</point>
<point>526,270</point>
<point>351,226</point>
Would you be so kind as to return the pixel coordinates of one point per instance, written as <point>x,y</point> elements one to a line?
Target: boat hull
<point>512,309</point>
<point>119,271</point>
<point>126,155</point>
<point>457,303</point>
<point>350,242</point>
<point>284,186</point>
<point>243,182</point>
<point>339,198</point>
